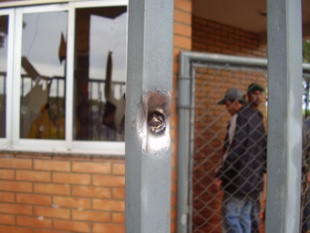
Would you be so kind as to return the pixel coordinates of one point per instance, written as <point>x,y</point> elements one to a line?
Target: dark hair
<point>255,87</point>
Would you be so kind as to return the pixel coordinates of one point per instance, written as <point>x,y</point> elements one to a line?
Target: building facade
<point>62,155</point>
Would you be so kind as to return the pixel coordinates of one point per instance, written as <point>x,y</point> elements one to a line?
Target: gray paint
<point>149,84</point>
<point>284,116</point>
<point>184,146</point>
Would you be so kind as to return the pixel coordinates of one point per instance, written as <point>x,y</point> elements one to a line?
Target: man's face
<point>231,106</point>
<point>255,98</point>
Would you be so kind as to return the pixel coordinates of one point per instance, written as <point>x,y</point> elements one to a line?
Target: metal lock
<point>155,120</point>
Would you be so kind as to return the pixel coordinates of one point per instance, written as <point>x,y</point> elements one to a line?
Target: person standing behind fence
<point>254,94</point>
<point>241,172</point>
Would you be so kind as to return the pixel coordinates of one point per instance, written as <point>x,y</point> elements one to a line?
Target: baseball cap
<point>255,87</point>
<point>232,94</point>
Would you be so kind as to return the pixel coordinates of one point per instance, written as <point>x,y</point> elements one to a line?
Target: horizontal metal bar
<point>306,68</point>
<point>220,59</point>
<point>216,58</point>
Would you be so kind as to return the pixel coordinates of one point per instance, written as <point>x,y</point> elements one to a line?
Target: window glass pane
<point>99,73</point>
<point>3,71</point>
<point>43,62</point>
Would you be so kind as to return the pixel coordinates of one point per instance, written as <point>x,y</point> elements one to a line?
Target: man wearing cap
<point>241,172</point>
<point>254,94</point>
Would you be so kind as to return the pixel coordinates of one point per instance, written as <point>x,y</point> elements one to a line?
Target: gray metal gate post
<point>149,84</point>
<point>185,85</point>
<point>284,116</point>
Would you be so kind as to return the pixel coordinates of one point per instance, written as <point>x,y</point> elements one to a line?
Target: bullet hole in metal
<point>156,122</point>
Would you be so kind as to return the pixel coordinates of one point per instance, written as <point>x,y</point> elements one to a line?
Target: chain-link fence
<point>239,151</point>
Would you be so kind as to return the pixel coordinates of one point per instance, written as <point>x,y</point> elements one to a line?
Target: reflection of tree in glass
<point>3,29</point>
<point>306,51</point>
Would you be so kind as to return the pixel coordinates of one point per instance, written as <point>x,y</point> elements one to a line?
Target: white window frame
<point>5,142</point>
<point>68,145</point>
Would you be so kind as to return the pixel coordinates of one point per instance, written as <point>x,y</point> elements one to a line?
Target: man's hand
<point>308,176</point>
<point>217,184</point>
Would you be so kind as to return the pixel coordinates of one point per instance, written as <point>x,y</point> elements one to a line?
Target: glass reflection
<point>99,75</point>
<point>4,19</point>
<point>43,61</point>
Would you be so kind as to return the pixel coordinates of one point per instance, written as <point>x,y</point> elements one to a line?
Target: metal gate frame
<point>189,61</point>
<point>148,149</point>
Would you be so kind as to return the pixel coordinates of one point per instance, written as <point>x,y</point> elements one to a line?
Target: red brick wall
<point>45,194</point>
<point>213,37</point>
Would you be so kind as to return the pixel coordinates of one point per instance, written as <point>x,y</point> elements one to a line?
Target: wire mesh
<point>210,123</point>
<point>211,75</point>
<point>305,200</point>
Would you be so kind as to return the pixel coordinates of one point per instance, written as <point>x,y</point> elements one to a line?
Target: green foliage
<point>306,51</point>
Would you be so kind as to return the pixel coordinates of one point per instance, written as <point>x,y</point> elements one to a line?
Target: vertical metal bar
<point>284,116</point>
<point>148,171</point>
<point>191,149</point>
<point>69,80</point>
<point>306,100</point>
<point>184,145</point>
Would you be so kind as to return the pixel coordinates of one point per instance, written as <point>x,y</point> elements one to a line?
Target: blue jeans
<point>237,213</point>
<point>255,215</point>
